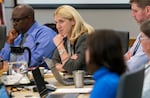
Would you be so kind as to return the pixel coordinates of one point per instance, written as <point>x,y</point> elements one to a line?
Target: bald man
<point>38,38</point>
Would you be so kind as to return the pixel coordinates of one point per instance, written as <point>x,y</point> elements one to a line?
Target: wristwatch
<point>62,51</point>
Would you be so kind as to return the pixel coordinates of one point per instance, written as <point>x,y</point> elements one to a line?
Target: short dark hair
<point>105,50</point>
<point>145,28</point>
<point>141,3</point>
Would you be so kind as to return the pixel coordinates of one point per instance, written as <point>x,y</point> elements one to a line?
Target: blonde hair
<point>80,27</point>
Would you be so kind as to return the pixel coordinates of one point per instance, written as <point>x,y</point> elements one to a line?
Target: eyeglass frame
<point>141,38</point>
<point>19,19</point>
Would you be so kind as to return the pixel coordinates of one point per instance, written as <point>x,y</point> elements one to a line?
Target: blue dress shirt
<point>139,58</point>
<point>106,84</point>
<point>40,42</point>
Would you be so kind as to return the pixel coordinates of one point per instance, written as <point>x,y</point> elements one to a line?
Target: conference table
<point>27,91</point>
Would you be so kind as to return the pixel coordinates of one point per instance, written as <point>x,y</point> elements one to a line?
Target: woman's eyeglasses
<point>143,38</point>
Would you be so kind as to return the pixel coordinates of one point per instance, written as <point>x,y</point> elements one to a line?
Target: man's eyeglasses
<point>18,19</point>
<point>143,38</point>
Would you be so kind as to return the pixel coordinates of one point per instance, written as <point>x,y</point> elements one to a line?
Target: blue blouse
<point>106,84</point>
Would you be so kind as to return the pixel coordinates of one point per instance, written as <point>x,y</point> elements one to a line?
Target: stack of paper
<point>73,90</point>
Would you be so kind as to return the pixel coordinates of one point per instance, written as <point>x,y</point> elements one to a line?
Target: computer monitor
<point>2,36</point>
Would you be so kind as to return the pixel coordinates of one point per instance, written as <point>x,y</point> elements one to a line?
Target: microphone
<point>55,48</point>
<point>64,39</point>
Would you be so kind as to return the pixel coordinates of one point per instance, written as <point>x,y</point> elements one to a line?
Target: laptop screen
<point>65,81</point>
<point>43,89</point>
<point>39,80</point>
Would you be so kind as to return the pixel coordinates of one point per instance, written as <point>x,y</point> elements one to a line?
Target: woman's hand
<point>60,67</point>
<point>58,39</point>
<point>74,57</point>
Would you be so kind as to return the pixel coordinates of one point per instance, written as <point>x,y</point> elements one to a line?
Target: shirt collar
<point>32,28</point>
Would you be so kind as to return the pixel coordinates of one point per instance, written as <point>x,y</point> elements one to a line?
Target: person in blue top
<point>105,60</point>
<point>39,38</point>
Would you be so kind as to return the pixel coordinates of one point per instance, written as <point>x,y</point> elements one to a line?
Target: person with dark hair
<point>145,43</point>
<point>27,32</point>
<point>104,59</point>
<point>135,57</point>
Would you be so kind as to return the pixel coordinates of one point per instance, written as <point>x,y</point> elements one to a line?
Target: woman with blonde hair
<point>71,39</point>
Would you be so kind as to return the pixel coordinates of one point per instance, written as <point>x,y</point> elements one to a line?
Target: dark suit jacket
<point>79,49</point>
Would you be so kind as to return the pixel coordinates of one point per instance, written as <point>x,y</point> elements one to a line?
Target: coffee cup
<point>78,78</point>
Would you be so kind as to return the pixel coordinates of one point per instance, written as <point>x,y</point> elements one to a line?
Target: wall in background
<point>73,1</point>
<point>119,19</point>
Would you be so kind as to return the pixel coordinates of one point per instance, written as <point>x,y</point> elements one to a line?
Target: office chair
<point>124,35</point>
<point>2,36</point>
<point>131,84</point>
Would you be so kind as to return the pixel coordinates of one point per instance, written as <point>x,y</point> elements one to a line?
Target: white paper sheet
<point>73,90</point>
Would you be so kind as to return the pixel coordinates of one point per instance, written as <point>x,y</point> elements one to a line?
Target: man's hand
<point>12,34</point>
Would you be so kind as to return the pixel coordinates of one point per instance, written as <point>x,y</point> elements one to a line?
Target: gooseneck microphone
<point>56,46</point>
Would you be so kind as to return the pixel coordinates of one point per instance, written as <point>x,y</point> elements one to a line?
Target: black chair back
<point>2,36</point>
<point>131,84</point>
<point>124,35</point>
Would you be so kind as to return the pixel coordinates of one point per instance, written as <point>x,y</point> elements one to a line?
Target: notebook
<point>45,92</point>
<point>65,81</point>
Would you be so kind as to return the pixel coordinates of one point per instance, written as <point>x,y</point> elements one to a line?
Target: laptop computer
<point>44,91</point>
<point>40,83</point>
<point>66,81</point>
